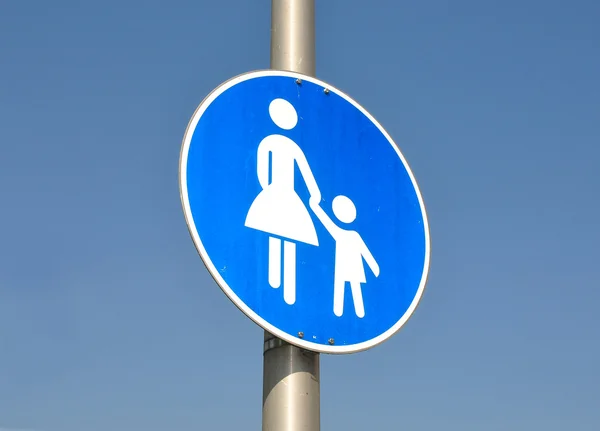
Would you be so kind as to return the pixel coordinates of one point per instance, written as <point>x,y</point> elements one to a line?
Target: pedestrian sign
<point>304,211</point>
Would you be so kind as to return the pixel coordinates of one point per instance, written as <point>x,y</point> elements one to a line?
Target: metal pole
<point>293,35</point>
<point>291,377</point>
<point>291,387</point>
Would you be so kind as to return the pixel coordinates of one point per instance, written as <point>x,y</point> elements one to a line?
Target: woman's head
<point>283,114</point>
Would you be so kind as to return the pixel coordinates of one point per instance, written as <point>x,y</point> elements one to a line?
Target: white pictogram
<point>279,211</point>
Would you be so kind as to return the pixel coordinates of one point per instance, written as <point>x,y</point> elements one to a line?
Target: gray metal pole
<point>291,387</point>
<point>293,35</point>
<point>291,376</point>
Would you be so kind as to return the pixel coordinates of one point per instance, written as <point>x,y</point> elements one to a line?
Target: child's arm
<point>366,253</point>
<point>329,225</point>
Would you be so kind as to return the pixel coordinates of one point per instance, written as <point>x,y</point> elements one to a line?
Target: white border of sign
<point>333,349</point>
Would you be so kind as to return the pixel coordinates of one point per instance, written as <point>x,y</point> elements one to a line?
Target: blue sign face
<point>304,211</point>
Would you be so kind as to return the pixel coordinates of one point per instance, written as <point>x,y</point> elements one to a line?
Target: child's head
<point>344,209</point>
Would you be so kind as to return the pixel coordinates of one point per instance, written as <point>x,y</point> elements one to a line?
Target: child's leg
<point>357,298</point>
<point>289,272</point>
<point>274,262</point>
<point>338,296</point>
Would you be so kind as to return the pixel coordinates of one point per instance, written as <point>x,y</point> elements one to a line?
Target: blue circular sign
<point>304,211</point>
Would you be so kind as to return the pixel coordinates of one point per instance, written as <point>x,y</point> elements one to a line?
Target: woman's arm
<point>307,175</point>
<point>262,163</point>
<point>323,217</point>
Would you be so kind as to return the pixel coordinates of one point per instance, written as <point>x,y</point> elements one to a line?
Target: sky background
<point>108,318</point>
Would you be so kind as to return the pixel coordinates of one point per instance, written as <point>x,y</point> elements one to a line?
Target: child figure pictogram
<point>350,249</point>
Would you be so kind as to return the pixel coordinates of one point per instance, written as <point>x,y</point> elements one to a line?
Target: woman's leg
<point>274,262</point>
<point>289,272</point>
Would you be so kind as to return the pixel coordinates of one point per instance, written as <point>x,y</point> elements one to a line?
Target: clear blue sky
<point>108,318</point>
